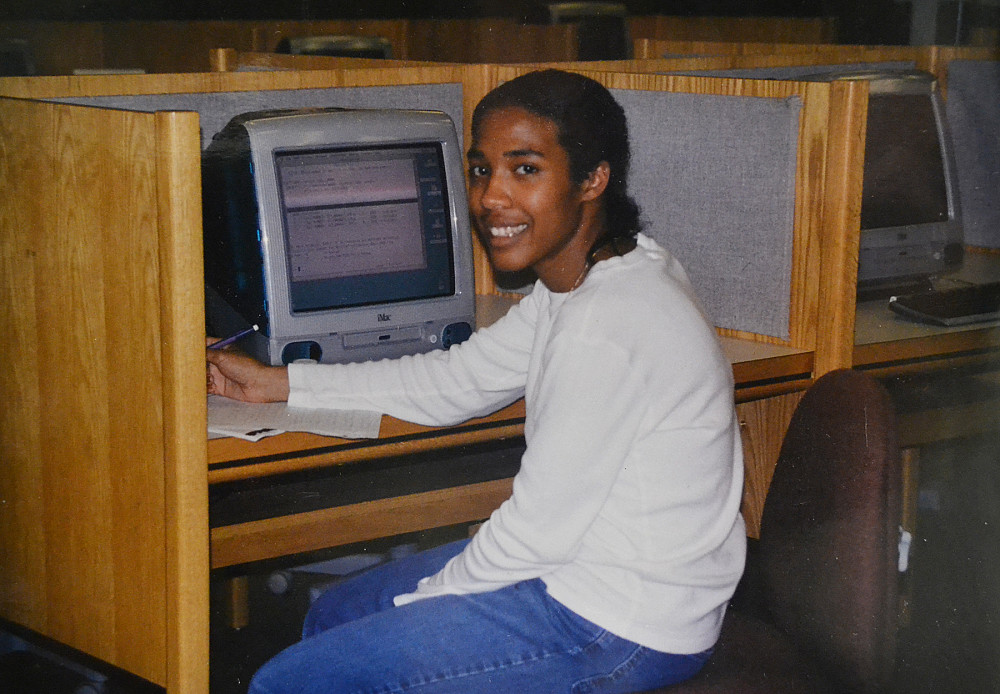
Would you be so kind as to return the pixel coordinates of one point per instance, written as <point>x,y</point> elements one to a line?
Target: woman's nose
<point>494,194</point>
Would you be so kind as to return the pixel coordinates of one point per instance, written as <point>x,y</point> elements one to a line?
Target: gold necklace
<point>579,280</point>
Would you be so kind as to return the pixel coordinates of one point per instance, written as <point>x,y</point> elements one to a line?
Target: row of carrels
<point>59,48</point>
<point>105,522</point>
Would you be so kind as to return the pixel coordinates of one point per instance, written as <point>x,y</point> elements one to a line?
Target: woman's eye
<point>526,169</point>
<point>477,171</point>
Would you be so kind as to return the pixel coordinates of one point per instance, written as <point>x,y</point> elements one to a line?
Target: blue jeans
<point>516,640</point>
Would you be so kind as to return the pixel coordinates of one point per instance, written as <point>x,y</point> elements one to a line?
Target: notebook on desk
<point>255,421</point>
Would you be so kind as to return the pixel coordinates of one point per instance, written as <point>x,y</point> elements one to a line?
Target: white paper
<point>253,421</point>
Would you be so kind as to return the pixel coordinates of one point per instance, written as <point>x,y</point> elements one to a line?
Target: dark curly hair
<point>592,128</point>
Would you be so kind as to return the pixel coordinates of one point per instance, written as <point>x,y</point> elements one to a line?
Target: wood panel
<point>947,423</point>
<point>759,29</point>
<point>707,55</point>
<point>169,46</point>
<point>763,424</point>
<point>83,449</point>
<point>672,48</point>
<point>182,328</point>
<point>232,60</point>
<point>22,471</point>
<point>175,46</point>
<point>60,47</point>
<point>840,238</point>
<point>490,40</point>
<point>106,85</point>
<point>178,46</point>
<point>275,537</point>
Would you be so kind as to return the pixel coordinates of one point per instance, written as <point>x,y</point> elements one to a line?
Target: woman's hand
<point>235,375</point>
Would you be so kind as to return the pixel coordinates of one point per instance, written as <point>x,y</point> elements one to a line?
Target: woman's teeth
<point>507,232</point>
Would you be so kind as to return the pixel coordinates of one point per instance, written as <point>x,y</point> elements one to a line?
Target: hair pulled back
<point>592,128</point>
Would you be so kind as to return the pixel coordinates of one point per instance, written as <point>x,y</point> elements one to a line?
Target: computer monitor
<point>343,234</point>
<point>911,223</point>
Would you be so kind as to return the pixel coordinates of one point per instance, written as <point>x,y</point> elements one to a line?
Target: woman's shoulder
<point>647,292</point>
<point>647,274</point>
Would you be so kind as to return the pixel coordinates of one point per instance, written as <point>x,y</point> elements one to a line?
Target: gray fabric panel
<point>796,72</point>
<point>217,108</point>
<point>715,178</point>
<point>716,186</point>
<point>973,110</point>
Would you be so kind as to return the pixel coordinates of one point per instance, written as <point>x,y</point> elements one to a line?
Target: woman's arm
<point>438,388</point>
<point>235,375</point>
<point>578,443</point>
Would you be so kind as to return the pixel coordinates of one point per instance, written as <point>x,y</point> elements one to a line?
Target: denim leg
<point>515,640</point>
<point>373,590</point>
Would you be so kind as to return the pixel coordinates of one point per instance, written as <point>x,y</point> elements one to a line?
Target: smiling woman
<point>528,210</point>
<point>549,129</point>
<point>610,566</point>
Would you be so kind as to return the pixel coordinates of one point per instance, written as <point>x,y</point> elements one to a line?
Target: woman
<point>610,566</point>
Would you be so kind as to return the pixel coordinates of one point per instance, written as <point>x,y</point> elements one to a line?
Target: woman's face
<point>528,211</point>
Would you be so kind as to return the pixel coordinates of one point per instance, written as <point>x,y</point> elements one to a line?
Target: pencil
<point>233,338</point>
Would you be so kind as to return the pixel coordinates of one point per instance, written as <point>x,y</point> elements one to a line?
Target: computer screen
<point>351,214</point>
<point>911,226</point>
<point>344,234</point>
<point>904,180</point>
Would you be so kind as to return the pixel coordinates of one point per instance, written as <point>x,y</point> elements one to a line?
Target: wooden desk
<point>110,233</point>
<point>886,344</point>
<point>766,376</point>
<point>277,457</point>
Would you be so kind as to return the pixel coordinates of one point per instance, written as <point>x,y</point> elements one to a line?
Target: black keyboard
<point>961,305</point>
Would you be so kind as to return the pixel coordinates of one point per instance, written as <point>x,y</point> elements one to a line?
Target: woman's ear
<point>596,182</point>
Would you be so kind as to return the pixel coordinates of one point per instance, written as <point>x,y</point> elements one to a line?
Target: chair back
<point>830,529</point>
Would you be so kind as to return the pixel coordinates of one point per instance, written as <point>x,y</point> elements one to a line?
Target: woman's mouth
<point>507,232</point>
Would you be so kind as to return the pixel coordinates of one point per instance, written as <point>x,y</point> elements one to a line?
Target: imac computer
<point>343,234</point>
<point>911,222</point>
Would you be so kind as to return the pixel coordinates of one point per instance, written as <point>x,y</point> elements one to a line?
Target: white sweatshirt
<point>627,501</point>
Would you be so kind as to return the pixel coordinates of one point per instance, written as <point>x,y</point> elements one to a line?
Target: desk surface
<point>884,340</point>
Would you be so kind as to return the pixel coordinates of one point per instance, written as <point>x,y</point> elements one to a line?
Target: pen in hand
<point>234,338</point>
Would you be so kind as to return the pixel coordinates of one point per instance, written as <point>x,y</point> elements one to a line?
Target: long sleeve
<point>567,472</point>
<point>627,501</point>
<point>438,388</point>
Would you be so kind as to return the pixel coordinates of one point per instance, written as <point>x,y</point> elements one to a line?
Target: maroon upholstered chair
<point>825,570</point>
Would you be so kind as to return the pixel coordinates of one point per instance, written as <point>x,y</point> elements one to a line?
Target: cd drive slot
<point>381,337</point>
